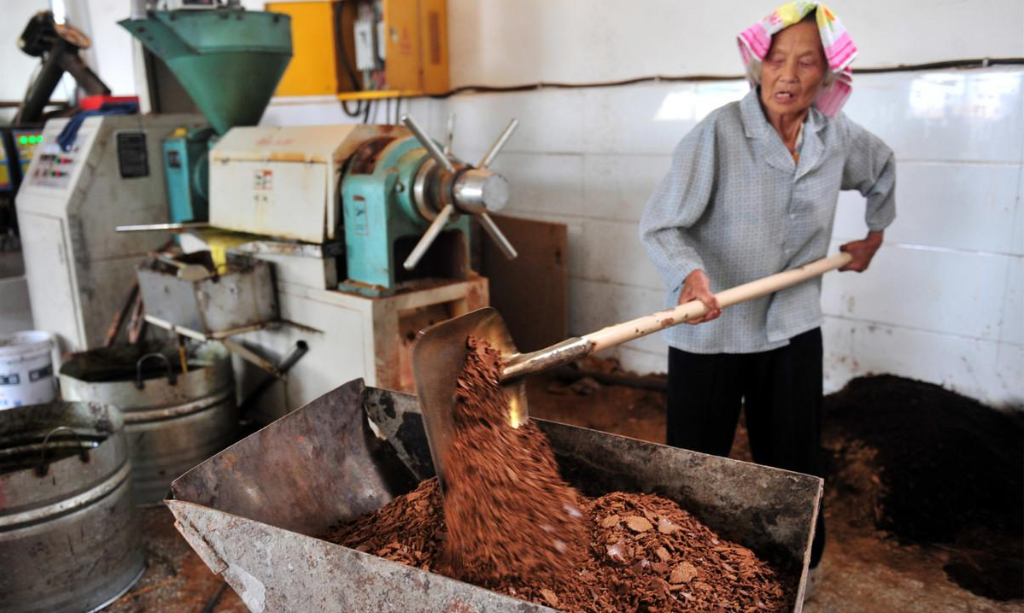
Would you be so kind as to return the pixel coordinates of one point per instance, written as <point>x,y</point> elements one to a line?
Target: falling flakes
<point>504,500</point>
<point>610,522</point>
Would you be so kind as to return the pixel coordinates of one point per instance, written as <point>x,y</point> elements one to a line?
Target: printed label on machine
<point>362,222</point>
<point>263,179</point>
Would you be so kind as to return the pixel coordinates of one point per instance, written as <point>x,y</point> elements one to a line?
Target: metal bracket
<point>223,337</point>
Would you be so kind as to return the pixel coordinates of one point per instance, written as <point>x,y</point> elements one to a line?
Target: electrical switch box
<point>366,49</point>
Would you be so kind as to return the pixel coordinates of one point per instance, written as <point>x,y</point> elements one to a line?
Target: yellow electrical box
<point>313,70</point>
<point>366,49</point>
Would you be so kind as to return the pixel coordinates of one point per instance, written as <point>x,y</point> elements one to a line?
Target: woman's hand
<point>697,287</point>
<point>862,252</point>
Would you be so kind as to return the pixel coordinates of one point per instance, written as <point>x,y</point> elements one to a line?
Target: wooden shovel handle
<point>642,326</point>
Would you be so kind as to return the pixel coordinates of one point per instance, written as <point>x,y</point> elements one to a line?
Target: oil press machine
<point>365,229</point>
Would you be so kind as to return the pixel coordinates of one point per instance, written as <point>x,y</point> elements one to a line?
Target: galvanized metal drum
<point>173,419</point>
<point>69,534</point>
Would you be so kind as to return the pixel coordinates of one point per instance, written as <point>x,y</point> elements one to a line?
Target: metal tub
<point>242,298</point>
<point>69,536</point>
<point>173,420</point>
<point>255,511</point>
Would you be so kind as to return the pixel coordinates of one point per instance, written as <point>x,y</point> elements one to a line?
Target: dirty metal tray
<point>242,298</point>
<point>254,511</point>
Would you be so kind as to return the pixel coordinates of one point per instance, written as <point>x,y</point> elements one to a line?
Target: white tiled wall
<point>504,42</point>
<point>943,301</point>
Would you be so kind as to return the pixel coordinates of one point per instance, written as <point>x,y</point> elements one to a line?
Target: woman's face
<point>792,72</point>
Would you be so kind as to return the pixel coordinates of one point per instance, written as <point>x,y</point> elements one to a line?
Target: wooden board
<point>532,291</point>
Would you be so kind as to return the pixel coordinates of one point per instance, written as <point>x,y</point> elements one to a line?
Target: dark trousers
<point>782,392</point>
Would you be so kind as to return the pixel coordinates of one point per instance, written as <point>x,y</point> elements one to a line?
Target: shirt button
<point>792,215</point>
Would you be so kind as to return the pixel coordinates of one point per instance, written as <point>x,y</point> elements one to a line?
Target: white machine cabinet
<point>79,269</point>
<point>282,181</point>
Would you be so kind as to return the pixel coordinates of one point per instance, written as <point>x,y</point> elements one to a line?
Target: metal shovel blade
<point>437,360</point>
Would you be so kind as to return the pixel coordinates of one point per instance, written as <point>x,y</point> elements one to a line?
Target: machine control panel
<point>54,167</point>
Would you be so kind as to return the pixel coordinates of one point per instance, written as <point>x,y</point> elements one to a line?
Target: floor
<point>176,580</point>
<point>864,571</point>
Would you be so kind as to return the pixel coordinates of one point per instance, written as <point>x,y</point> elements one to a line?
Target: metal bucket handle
<point>171,377</point>
<point>43,467</point>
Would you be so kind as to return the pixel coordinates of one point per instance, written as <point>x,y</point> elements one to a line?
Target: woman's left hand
<point>862,252</point>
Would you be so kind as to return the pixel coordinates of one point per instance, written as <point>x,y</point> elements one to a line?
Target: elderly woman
<point>752,191</point>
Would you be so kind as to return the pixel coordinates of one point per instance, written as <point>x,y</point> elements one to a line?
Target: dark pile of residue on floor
<point>940,469</point>
<point>509,523</point>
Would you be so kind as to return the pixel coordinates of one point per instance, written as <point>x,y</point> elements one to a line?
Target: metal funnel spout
<point>229,61</point>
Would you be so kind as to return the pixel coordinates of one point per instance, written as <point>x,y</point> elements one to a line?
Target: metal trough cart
<point>254,512</point>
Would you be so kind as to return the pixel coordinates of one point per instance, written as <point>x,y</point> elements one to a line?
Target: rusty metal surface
<point>253,512</point>
<point>397,418</point>
<point>69,538</point>
<point>170,426</point>
<point>277,476</point>
<point>771,511</point>
<point>244,296</point>
<point>282,572</point>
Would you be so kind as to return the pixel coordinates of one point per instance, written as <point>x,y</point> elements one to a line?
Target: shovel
<point>440,350</point>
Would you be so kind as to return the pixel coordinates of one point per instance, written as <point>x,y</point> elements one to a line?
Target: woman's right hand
<point>697,287</point>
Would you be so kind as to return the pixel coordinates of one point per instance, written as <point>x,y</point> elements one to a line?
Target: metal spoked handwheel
<point>462,188</point>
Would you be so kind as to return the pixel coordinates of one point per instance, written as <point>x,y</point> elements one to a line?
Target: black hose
<point>339,41</point>
<point>357,112</point>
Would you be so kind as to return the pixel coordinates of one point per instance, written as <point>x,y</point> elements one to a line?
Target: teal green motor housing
<point>407,207</point>
<point>187,171</point>
<point>383,222</point>
<point>230,62</point>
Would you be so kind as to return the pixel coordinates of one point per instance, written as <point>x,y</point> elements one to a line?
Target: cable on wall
<point>964,64</point>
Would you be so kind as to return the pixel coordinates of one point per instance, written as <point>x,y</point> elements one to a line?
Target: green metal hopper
<point>229,61</point>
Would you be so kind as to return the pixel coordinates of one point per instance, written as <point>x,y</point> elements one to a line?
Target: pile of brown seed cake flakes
<point>509,523</point>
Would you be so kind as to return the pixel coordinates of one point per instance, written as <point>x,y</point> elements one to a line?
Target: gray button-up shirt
<point>737,205</point>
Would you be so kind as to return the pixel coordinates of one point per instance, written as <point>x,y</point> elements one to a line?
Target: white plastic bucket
<point>26,369</point>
